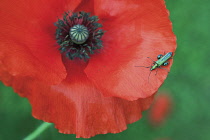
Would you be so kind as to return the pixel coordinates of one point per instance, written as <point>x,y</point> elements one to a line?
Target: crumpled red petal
<point>28,45</point>
<point>131,37</point>
<point>75,106</point>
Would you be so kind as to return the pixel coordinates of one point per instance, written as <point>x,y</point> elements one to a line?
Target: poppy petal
<point>85,5</point>
<point>28,45</point>
<point>95,114</point>
<point>75,106</point>
<point>131,37</point>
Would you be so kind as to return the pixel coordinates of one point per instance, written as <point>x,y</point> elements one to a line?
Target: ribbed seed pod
<point>79,34</point>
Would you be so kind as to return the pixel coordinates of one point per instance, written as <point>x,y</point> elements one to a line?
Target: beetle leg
<point>164,69</point>
<point>156,72</point>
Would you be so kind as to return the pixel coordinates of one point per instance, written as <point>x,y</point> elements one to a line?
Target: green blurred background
<point>188,84</point>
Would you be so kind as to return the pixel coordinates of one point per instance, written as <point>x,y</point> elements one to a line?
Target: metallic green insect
<point>162,61</point>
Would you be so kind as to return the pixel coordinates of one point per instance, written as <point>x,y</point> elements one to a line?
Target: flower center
<point>78,35</point>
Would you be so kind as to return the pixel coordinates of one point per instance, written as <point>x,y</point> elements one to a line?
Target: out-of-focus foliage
<point>188,83</point>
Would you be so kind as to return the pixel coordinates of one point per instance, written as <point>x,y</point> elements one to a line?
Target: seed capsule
<point>79,34</point>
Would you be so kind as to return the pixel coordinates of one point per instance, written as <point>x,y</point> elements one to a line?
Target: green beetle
<point>162,61</point>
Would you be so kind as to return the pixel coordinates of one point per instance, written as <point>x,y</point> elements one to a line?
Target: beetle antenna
<point>143,66</point>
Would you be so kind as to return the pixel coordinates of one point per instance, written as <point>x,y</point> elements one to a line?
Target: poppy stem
<point>38,131</point>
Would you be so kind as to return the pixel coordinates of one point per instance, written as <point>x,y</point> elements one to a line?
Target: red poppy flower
<point>102,94</point>
<point>160,109</point>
